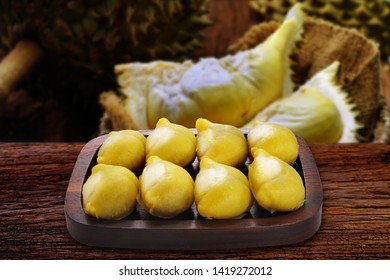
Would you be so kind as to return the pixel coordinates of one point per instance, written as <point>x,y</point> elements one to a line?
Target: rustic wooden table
<point>355,221</point>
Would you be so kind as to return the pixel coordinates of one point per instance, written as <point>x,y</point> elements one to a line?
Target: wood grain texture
<point>355,223</point>
<point>230,19</point>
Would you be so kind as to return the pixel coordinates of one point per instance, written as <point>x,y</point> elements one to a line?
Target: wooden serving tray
<point>189,231</point>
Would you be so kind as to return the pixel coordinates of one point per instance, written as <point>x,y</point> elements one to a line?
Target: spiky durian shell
<point>370,17</point>
<point>83,40</point>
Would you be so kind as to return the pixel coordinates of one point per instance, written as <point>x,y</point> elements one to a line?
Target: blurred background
<point>57,57</point>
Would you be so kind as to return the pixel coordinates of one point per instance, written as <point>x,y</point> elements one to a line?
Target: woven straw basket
<point>322,43</point>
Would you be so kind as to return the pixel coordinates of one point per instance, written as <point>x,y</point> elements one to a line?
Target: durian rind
<point>326,82</point>
<point>370,18</point>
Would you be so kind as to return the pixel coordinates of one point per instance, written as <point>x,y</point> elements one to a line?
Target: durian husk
<point>323,43</point>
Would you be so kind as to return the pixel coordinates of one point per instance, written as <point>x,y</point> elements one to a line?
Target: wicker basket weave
<point>322,43</point>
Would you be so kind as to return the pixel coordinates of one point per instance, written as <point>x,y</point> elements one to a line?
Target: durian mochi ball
<point>277,140</point>
<point>222,143</point>
<point>221,191</point>
<point>166,189</point>
<point>171,142</point>
<point>110,192</point>
<point>124,148</point>
<point>275,184</point>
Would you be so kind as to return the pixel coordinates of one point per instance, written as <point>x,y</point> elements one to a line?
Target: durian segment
<point>228,90</point>
<point>277,140</point>
<point>125,148</point>
<point>166,188</point>
<point>136,80</point>
<point>319,111</point>
<point>221,191</point>
<point>110,192</point>
<point>276,185</point>
<point>171,142</point>
<point>222,143</point>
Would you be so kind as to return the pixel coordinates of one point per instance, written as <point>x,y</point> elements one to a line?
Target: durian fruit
<point>319,111</point>
<point>324,43</point>
<point>229,90</point>
<point>110,192</point>
<point>221,191</point>
<point>166,188</point>
<point>125,148</point>
<point>222,143</point>
<point>277,140</point>
<point>77,43</point>
<point>171,142</point>
<point>276,185</point>
<point>372,18</point>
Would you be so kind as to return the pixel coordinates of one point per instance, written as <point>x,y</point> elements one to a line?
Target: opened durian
<point>319,111</point>
<point>370,17</point>
<point>221,191</point>
<point>230,90</point>
<point>222,143</point>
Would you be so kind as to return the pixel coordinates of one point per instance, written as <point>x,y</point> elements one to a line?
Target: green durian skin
<point>372,18</point>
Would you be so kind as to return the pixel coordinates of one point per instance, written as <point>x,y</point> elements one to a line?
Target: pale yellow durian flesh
<point>222,143</point>
<point>110,192</point>
<point>229,90</point>
<point>277,140</point>
<point>171,142</point>
<point>221,191</point>
<point>166,189</point>
<point>319,111</point>
<point>124,148</point>
<point>276,185</point>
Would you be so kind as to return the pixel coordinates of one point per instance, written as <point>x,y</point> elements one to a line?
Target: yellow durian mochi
<point>276,185</point>
<point>166,189</point>
<point>277,140</point>
<point>110,192</point>
<point>125,148</point>
<point>171,142</point>
<point>221,191</point>
<point>222,143</point>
